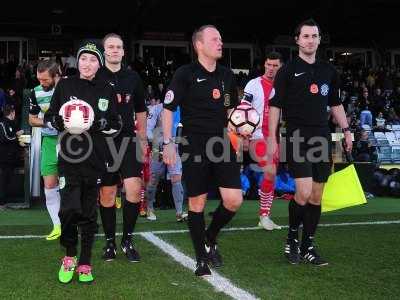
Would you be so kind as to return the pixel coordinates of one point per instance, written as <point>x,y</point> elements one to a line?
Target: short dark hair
<point>309,22</point>
<point>8,109</point>
<point>198,33</point>
<point>112,35</point>
<point>49,65</point>
<point>274,55</point>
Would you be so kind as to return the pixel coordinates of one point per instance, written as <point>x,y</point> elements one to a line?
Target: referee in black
<point>304,88</point>
<point>205,92</point>
<point>127,166</point>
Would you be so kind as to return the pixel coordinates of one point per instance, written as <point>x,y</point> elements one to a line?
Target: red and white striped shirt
<point>262,90</point>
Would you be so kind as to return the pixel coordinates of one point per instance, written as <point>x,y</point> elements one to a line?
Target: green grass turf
<point>363,263</point>
<point>29,270</point>
<point>37,221</point>
<point>364,259</point>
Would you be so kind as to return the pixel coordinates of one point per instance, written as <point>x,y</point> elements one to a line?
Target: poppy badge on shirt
<point>216,94</point>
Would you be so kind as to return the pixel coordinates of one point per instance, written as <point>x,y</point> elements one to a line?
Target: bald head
<point>207,42</point>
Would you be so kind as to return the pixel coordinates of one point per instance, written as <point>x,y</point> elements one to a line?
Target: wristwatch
<point>166,142</point>
<point>346,129</point>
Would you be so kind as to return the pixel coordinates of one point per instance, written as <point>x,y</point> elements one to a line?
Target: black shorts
<point>128,165</point>
<point>201,171</point>
<point>309,156</point>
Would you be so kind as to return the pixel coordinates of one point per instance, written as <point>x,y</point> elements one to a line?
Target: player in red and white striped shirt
<point>259,91</point>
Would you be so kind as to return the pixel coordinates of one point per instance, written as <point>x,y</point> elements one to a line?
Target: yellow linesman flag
<point>343,189</point>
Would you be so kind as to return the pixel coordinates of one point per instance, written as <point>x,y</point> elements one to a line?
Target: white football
<point>244,120</point>
<point>78,115</point>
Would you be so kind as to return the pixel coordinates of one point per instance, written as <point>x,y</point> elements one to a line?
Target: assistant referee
<point>304,88</point>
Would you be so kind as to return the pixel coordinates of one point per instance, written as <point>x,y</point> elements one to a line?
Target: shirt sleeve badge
<point>169,97</point>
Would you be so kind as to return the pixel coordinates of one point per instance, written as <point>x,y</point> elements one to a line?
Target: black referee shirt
<point>303,91</point>
<point>130,95</point>
<point>204,97</point>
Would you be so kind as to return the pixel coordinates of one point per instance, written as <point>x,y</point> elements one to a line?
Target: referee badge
<point>314,89</point>
<point>169,97</point>
<point>103,104</point>
<point>324,89</point>
<point>61,182</point>
<point>216,94</point>
<point>227,100</point>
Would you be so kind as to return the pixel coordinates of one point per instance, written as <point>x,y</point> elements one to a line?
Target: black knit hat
<point>91,48</point>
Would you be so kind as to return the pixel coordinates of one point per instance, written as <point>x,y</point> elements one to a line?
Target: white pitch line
<point>220,283</point>
<point>360,223</point>
<point>9,237</point>
<point>32,236</point>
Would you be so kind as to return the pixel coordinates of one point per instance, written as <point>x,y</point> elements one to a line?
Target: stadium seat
<point>396,127</point>
<point>396,155</point>
<point>382,143</point>
<point>380,135</point>
<point>381,139</point>
<point>385,154</point>
<point>397,134</point>
<point>392,139</point>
